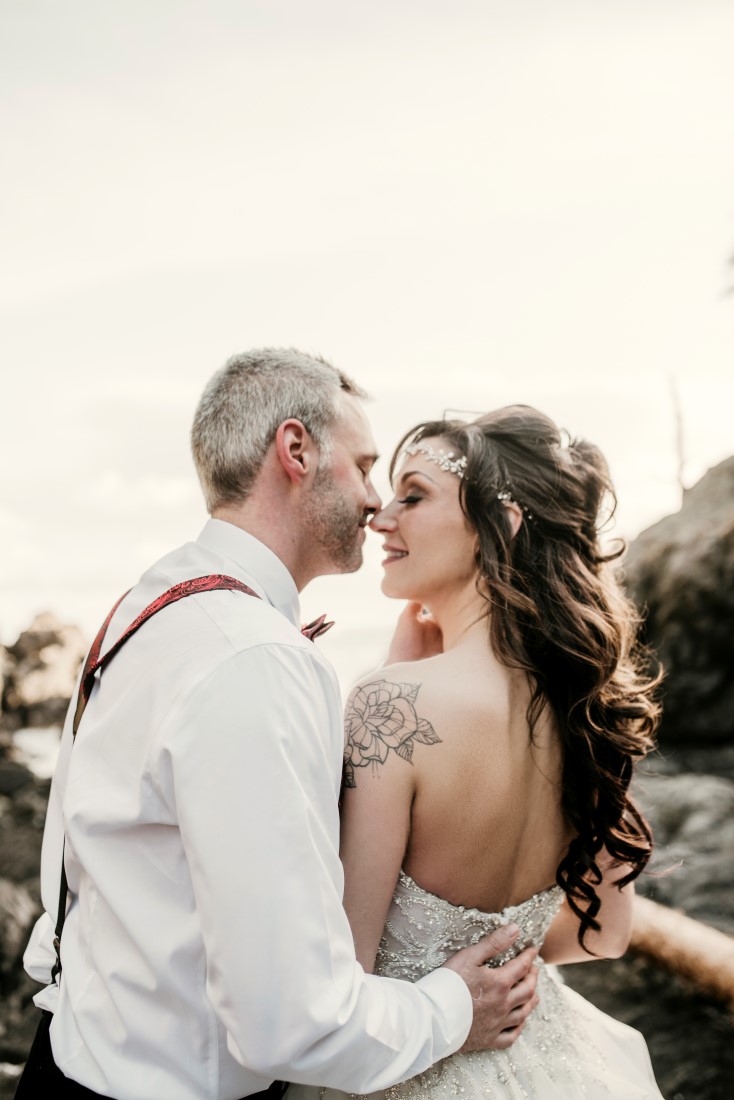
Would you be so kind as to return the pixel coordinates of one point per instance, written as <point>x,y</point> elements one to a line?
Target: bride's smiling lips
<point>394,553</point>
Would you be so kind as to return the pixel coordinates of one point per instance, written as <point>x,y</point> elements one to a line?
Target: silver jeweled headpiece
<point>443,459</point>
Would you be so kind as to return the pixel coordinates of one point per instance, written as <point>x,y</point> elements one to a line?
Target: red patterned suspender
<point>94,663</point>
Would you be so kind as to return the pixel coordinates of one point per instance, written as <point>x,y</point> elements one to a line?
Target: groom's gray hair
<point>243,405</point>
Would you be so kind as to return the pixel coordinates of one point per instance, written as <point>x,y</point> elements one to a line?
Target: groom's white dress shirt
<point>206,951</point>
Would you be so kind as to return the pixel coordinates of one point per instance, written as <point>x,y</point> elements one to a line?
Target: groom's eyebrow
<point>368,460</point>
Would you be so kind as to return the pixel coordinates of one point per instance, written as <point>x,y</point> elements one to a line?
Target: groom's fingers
<point>503,996</point>
<point>495,943</point>
<point>519,1016</point>
<point>515,1022</point>
<point>498,941</point>
<point>522,992</point>
<point>470,962</point>
<point>521,967</point>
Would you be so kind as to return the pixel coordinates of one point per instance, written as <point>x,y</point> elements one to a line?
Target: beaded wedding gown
<point>568,1050</point>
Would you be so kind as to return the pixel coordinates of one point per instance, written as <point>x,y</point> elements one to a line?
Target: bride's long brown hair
<point>558,613</point>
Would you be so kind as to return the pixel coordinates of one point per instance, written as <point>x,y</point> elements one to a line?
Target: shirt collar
<point>256,560</point>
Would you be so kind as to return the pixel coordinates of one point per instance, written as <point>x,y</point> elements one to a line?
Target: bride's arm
<point>615,917</point>
<point>376,804</point>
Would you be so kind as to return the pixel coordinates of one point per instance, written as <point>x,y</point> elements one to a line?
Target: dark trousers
<point>43,1080</point>
<point>41,1077</point>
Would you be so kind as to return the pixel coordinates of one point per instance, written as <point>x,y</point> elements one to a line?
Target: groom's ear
<point>297,453</point>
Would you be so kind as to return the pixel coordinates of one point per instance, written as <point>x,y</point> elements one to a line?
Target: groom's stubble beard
<point>334,524</point>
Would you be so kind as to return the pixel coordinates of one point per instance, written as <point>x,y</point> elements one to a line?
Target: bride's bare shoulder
<point>430,686</point>
<point>397,680</point>
<point>389,714</point>
<point>454,692</point>
<point>426,674</point>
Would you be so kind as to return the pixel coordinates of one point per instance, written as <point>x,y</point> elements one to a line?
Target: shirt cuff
<point>450,994</point>
<point>40,956</point>
<point>47,998</point>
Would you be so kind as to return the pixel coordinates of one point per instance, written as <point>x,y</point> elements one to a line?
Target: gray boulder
<point>40,671</point>
<point>22,811</point>
<point>692,817</point>
<point>22,817</point>
<point>18,911</point>
<point>681,571</point>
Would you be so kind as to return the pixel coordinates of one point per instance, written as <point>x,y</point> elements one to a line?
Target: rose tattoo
<point>381,716</point>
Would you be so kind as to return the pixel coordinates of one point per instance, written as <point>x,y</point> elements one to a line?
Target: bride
<point>487,766</point>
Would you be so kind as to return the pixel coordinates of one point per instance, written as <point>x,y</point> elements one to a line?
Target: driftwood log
<point>695,951</point>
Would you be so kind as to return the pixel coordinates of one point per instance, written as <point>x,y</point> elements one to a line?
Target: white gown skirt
<point>569,1050</point>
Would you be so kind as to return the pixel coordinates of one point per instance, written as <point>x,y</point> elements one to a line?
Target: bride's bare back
<point>487,828</point>
<point>447,785</point>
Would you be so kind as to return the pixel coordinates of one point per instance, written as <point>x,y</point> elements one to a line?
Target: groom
<point>205,951</point>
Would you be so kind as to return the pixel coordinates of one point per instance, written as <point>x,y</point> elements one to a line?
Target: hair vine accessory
<point>443,459</point>
<point>506,497</point>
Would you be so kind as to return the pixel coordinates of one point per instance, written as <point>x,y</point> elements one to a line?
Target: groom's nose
<point>373,503</point>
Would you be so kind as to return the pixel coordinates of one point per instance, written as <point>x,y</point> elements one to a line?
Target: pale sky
<point>463,204</point>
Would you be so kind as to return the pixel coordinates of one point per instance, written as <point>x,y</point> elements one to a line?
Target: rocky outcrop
<point>681,571</point>
<point>692,816</point>
<point>17,911</point>
<point>23,800</point>
<point>39,673</point>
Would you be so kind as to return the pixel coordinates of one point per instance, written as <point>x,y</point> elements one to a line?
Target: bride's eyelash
<point>410,500</point>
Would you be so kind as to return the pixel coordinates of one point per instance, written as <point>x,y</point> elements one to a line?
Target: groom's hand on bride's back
<point>504,996</point>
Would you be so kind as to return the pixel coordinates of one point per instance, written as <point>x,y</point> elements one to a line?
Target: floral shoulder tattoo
<point>381,716</point>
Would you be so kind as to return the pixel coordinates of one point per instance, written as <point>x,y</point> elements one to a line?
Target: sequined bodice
<point>423,930</point>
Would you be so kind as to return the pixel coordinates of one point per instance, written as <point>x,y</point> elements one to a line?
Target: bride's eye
<point>410,500</point>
